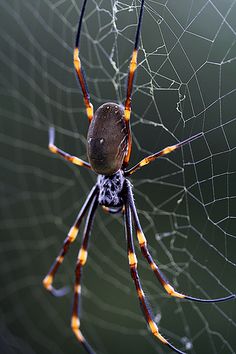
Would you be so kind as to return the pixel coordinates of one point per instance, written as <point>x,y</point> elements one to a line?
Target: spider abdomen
<point>107,139</point>
<point>110,189</point>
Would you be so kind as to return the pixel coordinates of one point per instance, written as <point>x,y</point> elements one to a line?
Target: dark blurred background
<point>185,84</point>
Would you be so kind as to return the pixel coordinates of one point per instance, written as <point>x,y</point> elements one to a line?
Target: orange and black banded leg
<point>81,260</point>
<point>55,150</point>
<point>79,70</point>
<point>132,69</point>
<point>165,151</point>
<point>164,282</point>
<point>134,273</point>
<point>48,280</point>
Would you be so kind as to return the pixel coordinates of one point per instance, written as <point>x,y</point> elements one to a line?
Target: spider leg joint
<point>171,291</point>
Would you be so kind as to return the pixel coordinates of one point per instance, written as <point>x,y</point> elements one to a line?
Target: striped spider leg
<point>162,279</point>
<point>134,272</point>
<point>131,74</point>
<point>48,280</point>
<point>79,70</point>
<point>131,213</point>
<point>81,260</point>
<point>163,152</point>
<point>55,150</point>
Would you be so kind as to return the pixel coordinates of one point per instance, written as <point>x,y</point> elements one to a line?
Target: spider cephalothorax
<point>110,189</point>
<point>108,148</point>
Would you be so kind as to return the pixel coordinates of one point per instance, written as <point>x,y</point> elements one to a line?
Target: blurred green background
<point>185,84</point>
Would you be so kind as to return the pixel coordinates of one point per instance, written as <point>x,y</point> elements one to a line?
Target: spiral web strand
<point>185,84</point>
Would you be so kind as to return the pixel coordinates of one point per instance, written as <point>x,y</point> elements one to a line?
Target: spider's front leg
<point>132,69</point>
<point>79,70</point>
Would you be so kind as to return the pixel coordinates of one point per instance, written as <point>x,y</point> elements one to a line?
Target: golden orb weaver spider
<point>109,145</point>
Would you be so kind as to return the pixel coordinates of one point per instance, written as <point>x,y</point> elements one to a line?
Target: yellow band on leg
<point>132,259</point>
<point>82,256</point>
<point>171,291</point>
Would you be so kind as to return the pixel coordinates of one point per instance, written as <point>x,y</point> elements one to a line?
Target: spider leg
<point>81,260</point>
<point>164,282</point>
<point>134,273</point>
<point>165,151</point>
<point>132,68</point>
<point>79,70</point>
<point>55,150</point>
<point>48,280</point>
<point>113,210</point>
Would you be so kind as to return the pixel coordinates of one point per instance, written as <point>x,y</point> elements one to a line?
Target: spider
<point>109,145</point>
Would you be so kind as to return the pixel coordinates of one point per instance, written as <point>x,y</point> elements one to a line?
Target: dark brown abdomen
<point>107,139</point>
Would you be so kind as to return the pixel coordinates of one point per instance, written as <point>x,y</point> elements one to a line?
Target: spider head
<point>110,188</point>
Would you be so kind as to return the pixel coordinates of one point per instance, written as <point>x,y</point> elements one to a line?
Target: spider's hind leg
<point>48,280</point>
<point>166,285</point>
<point>81,260</point>
<point>134,273</point>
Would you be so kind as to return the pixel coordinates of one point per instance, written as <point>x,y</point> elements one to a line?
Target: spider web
<point>185,84</point>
